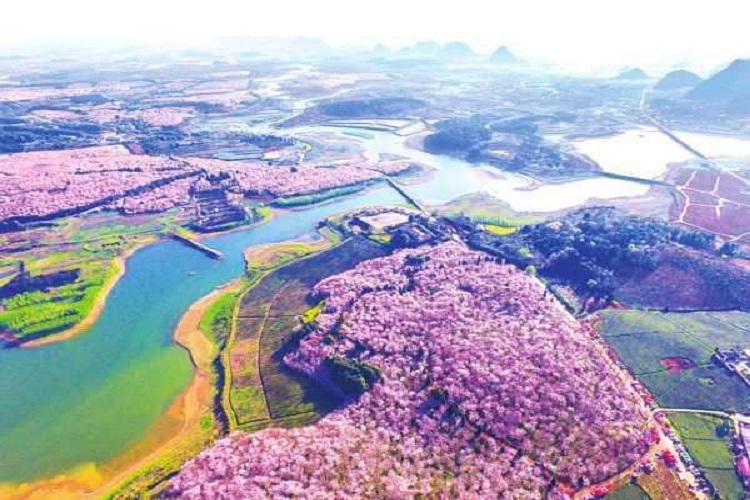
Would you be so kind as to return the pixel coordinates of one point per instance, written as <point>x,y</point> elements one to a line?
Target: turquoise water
<point>88,398</point>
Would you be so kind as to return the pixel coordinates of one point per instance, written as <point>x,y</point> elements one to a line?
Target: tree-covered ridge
<point>481,386</point>
<point>510,143</point>
<point>458,136</point>
<point>379,107</point>
<point>594,250</point>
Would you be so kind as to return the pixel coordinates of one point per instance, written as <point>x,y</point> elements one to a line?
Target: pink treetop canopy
<point>486,386</point>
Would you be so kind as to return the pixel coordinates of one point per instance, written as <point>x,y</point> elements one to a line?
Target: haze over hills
<point>420,219</point>
<point>308,44</point>
<point>456,50</point>
<point>679,79</point>
<point>731,84</point>
<point>381,50</point>
<point>503,55</point>
<point>428,48</point>
<point>633,74</point>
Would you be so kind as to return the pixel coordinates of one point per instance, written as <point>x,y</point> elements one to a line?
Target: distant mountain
<point>308,45</point>
<point>633,74</point>
<point>730,85</point>
<point>197,53</point>
<point>427,48</point>
<point>456,50</point>
<point>381,50</point>
<point>503,55</point>
<point>680,79</point>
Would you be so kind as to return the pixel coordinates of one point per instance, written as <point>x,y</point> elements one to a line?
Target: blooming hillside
<point>46,184</point>
<point>464,378</point>
<point>42,183</point>
<point>258,179</point>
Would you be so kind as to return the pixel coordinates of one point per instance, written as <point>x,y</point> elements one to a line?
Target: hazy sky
<point>564,30</point>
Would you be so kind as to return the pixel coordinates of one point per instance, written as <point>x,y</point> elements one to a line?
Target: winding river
<point>87,399</point>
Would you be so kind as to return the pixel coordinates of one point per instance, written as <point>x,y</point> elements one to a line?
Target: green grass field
<point>703,388</point>
<point>717,329</point>
<point>40,313</point>
<point>642,352</point>
<point>616,323</point>
<point>629,492</point>
<point>263,390</point>
<point>643,339</point>
<point>218,319</point>
<point>89,242</point>
<point>702,436</point>
<point>271,257</point>
<point>483,208</point>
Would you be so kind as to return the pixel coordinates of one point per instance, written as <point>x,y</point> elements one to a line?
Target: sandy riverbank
<point>171,433</point>
<point>96,310</point>
<point>188,408</point>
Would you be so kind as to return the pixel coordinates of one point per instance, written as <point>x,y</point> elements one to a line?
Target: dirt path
<point>260,342</point>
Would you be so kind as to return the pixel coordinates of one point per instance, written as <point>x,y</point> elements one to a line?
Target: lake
<point>87,399</point>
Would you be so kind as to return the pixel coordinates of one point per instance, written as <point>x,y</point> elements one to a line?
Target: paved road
<point>664,130</point>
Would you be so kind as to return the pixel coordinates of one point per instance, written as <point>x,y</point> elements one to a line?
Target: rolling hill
<point>680,79</point>
<point>729,85</point>
<point>503,55</point>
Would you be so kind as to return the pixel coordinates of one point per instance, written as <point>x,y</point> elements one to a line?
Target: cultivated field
<point>709,445</point>
<point>629,492</point>
<point>262,391</point>
<point>718,202</point>
<point>649,343</point>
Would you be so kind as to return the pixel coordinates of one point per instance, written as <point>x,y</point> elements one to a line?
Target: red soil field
<point>688,279</point>
<point>677,364</point>
<point>732,188</point>
<point>668,286</point>
<point>702,216</point>
<point>701,197</point>
<point>734,220</point>
<point>703,180</point>
<point>732,197</point>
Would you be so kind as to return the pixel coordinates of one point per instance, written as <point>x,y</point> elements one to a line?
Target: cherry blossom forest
<point>462,377</point>
<point>46,184</point>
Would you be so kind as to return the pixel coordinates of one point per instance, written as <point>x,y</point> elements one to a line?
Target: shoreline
<point>121,263</point>
<point>171,429</point>
<point>101,301</point>
<point>192,401</point>
<point>275,212</point>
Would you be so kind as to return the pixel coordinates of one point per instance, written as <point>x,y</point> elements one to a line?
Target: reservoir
<point>86,399</point>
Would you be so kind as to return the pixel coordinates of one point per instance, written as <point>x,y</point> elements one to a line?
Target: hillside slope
<point>464,378</point>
